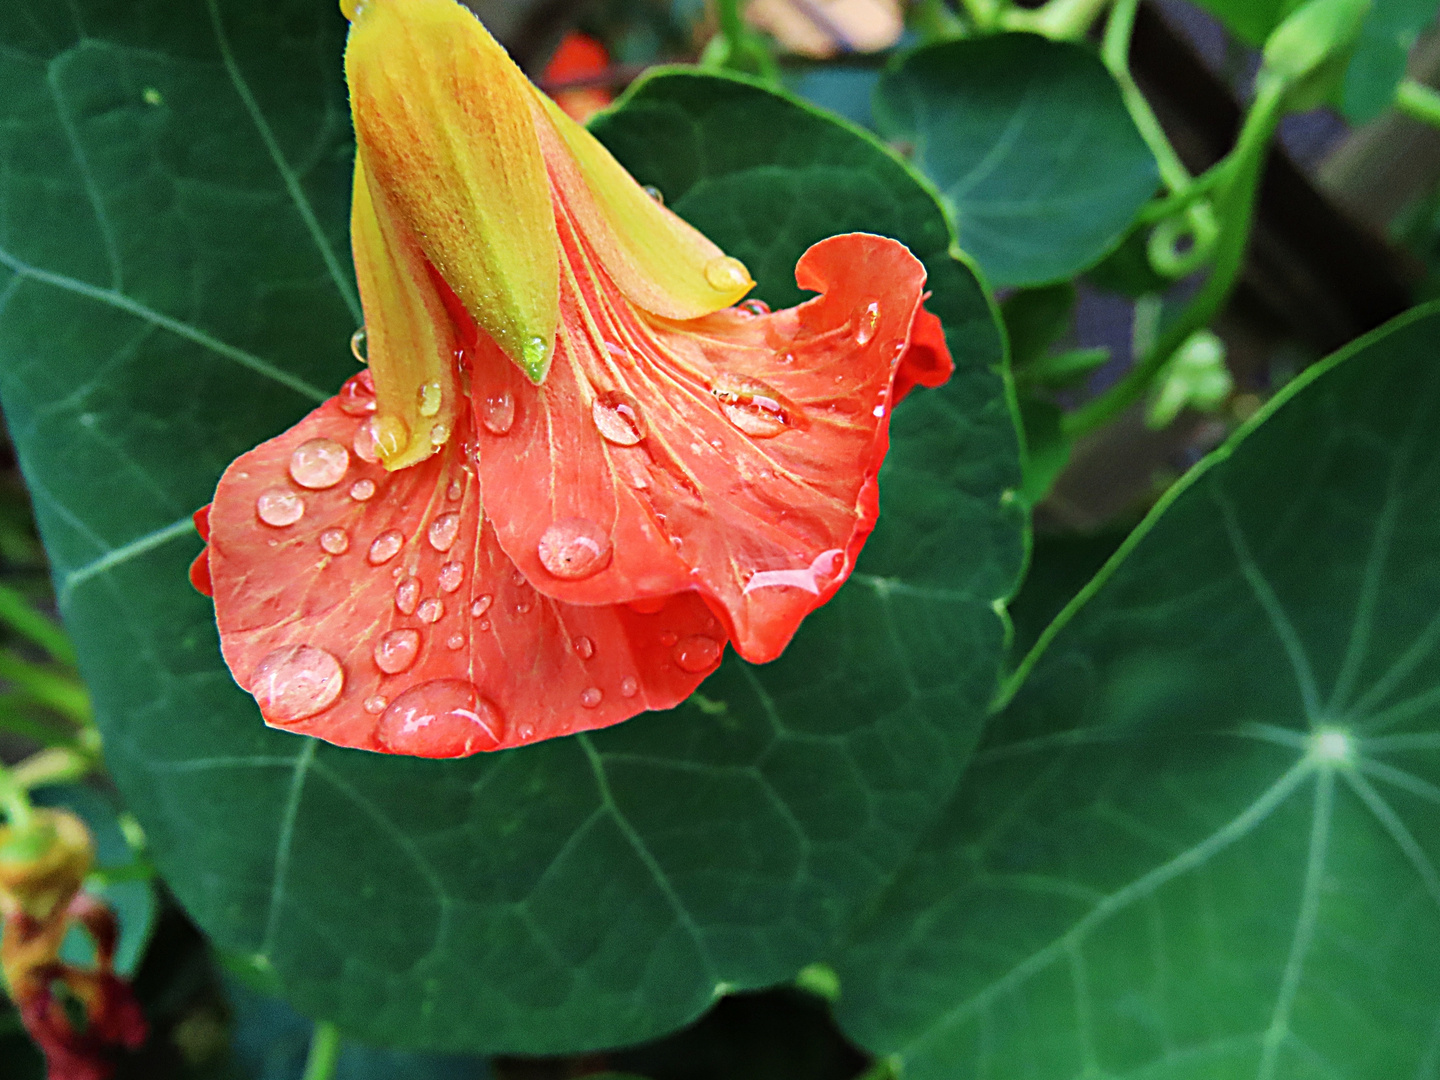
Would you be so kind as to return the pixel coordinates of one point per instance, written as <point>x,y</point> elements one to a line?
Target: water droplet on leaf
<point>574,548</point>
<point>443,718</point>
<point>617,418</point>
<point>397,650</point>
<point>296,682</point>
<point>279,507</point>
<point>319,463</point>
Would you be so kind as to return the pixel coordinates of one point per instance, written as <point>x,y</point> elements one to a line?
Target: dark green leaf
<point>175,290</point>
<point>1203,840</point>
<point>1035,319</point>
<point>1031,147</point>
<point>1047,447</point>
<point>1252,20</point>
<point>1378,63</point>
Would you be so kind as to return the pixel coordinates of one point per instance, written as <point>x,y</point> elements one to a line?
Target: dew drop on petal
<point>754,307</point>
<point>335,541</point>
<point>526,732</point>
<point>574,548</point>
<point>443,718</point>
<point>375,703</point>
<point>656,195</point>
<point>391,435</point>
<point>428,403</point>
<point>439,434</point>
<point>455,641</point>
<point>452,576</point>
<point>386,546</point>
<point>584,647</point>
<point>629,686</point>
<point>407,595</point>
<point>617,418</point>
<point>484,624</point>
<point>357,346</point>
<point>357,395</point>
<point>319,463</point>
<point>725,273</point>
<point>497,412</point>
<point>753,407</point>
<point>279,507</point>
<point>697,653</point>
<point>591,697</point>
<point>479,607</point>
<point>443,531</point>
<point>296,682</point>
<point>362,490</point>
<point>364,443</point>
<point>431,611</point>
<point>396,651</point>
<point>867,321</point>
<point>456,490</point>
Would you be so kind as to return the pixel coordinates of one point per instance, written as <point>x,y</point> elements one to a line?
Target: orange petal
<point>379,611</point>
<point>927,362</point>
<point>735,454</point>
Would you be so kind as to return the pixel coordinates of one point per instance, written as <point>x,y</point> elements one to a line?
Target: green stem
<point>1115,51</point>
<point>985,14</point>
<point>1236,208</point>
<point>324,1052</point>
<point>15,801</point>
<point>934,21</point>
<point>1418,101</point>
<point>54,689</point>
<point>1063,20</point>
<point>24,619</point>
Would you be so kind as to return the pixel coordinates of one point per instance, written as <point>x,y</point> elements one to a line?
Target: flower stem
<point>1418,101</point>
<point>1063,20</point>
<point>324,1052</point>
<point>1235,205</point>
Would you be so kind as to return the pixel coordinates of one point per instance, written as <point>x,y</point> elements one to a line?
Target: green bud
<point>1196,377</point>
<point>1311,35</point>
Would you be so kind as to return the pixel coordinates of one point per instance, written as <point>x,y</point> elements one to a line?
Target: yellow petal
<point>659,261</point>
<point>442,116</point>
<point>409,337</point>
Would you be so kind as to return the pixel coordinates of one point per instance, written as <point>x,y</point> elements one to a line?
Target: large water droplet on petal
<point>362,490</point>
<point>391,435</point>
<point>617,418</point>
<point>357,395</point>
<point>754,308</point>
<point>357,346</point>
<point>726,274</point>
<point>574,548</point>
<point>452,576</point>
<point>319,463</point>
<point>496,412</point>
<point>431,611</point>
<point>335,541</point>
<point>386,546</point>
<point>584,647</point>
<point>407,595</point>
<point>364,443</point>
<point>396,651</point>
<point>656,195</point>
<point>455,642</point>
<point>439,434</point>
<point>591,697</point>
<point>296,682</point>
<point>629,686</point>
<point>444,718</point>
<point>429,396</point>
<point>866,322</point>
<point>753,407</point>
<point>279,507</point>
<point>443,531</point>
<point>481,605</point>
<point>697,653</point>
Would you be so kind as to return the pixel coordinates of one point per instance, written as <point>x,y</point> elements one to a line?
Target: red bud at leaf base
<point>585,534</point>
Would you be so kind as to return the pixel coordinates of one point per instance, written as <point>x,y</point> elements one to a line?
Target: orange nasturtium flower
<point>573,470</point>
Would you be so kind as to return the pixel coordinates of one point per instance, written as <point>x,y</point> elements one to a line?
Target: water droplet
<point>357,395</point>
<point>362,490</point>
<point>497,412</point>
<point>526,732</point>
<point>484,624</point>
<point>629,686</point>
<point>574,548</point>
<point>296,682</point>
<point>456,490</point>
<point>878,411</point>
<point>390,434</point>
<point>455,642</point>
<point>697,653</point>
<point>319,463</point>
<point>536,354</point>
<point>584,648</point>
<point>481,606</point>
<point>443,531</point>
<point>755,307</point>
<point>617,418</point>
<point>439,434</point>
<point>397,650</point>
<point>753,407</point>
<point>376,703</point>
<point>452,576</point>
<point>335,541</point>
<point>668,638</point>
<point>523,607</point>
<point>279,507</point>
<point>440,719</point>
<point>517,578</point>
<point>650,605</point>
<point>431,611</point>
<point>655,194</point>
<point>429,398</point>
<point>364,443</point>
<point>407,595</point>
<point>726,274</point>
<point>386,546</point>
<point>357,346</point>
<point>591,697</point>
<point>867,321</point>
